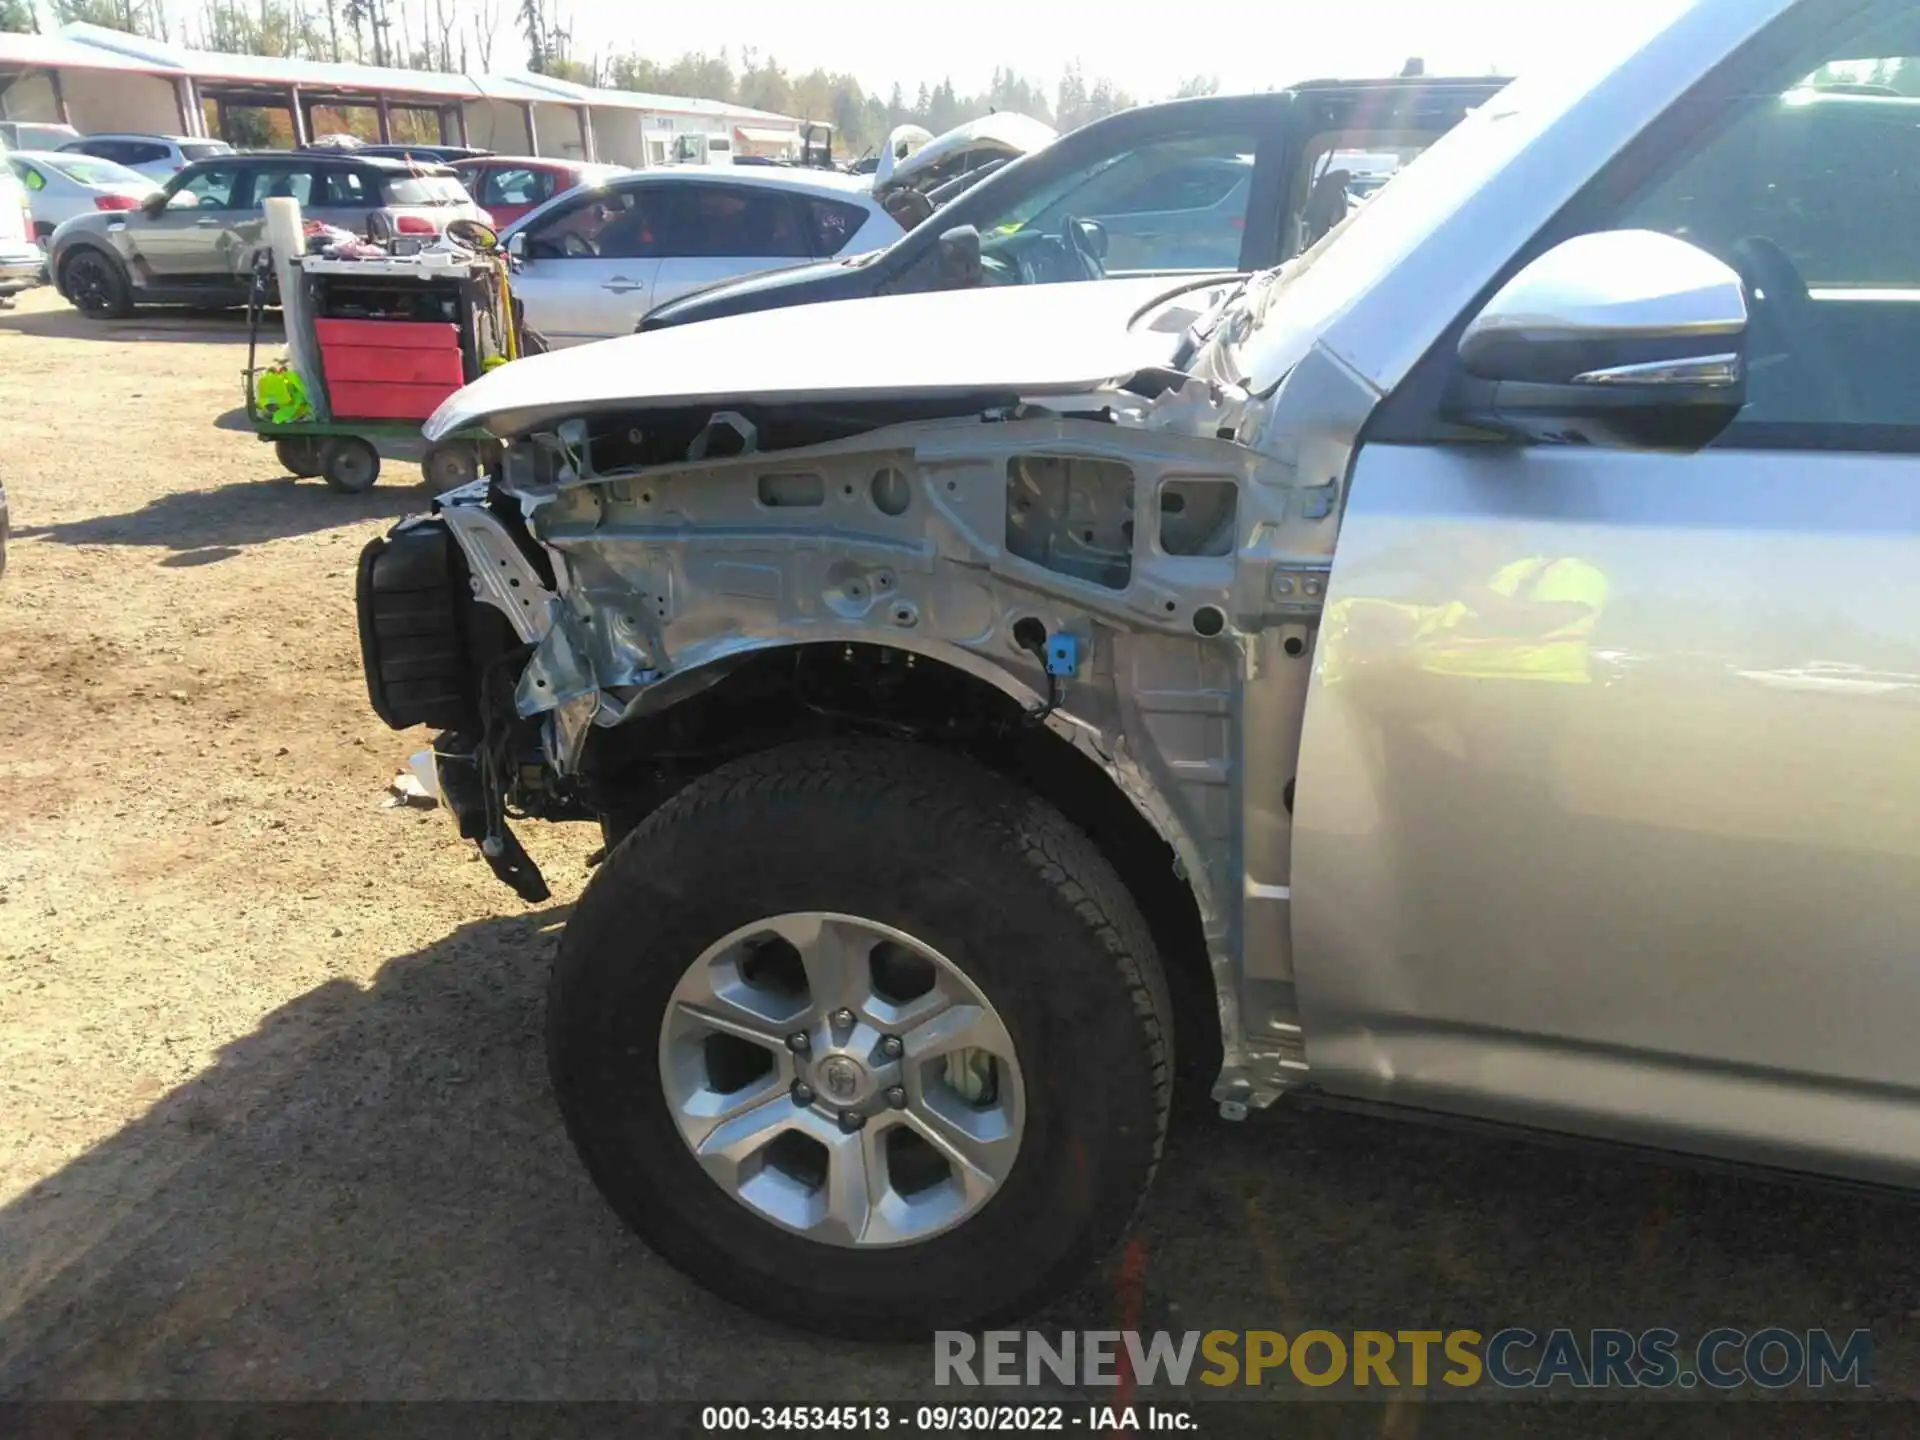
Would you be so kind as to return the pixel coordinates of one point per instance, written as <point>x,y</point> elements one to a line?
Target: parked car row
<point>194,240</point>
<point>1461,668</point>
<point>1184,187</point>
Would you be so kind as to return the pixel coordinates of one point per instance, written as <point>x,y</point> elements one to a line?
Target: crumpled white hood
<point>1016,340</point>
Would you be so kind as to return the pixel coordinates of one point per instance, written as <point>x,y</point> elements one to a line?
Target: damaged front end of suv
<point>1055,558</point>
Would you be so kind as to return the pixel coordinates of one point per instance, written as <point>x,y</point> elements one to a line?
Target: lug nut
<point>852,1120</point>
<point>891,1047</point>
<point>802,1093</point>
<point>843,1018</point>
<point>897,1097</point>
<point>798,1042</point>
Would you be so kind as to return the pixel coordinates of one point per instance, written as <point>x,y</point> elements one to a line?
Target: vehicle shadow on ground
<point>371,1195</point>
<point>211,524</point>
<point>159,322</point>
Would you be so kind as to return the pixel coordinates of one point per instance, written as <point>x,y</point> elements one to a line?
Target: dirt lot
<point>274,1120</point>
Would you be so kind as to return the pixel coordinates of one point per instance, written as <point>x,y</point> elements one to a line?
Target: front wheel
<point>96,285</point>
<point>865,1038</point>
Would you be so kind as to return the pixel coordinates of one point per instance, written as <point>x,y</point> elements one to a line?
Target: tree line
<point>485,35</point>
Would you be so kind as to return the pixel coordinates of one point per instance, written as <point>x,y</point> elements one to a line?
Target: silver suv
<point>195,240</point>
<point>158,157</point>
<point>1469,671</point>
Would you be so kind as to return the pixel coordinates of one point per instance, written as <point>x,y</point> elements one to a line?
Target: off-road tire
<point>998,882</point>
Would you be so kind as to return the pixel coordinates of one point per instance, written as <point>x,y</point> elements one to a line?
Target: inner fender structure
<point>1127,586</point>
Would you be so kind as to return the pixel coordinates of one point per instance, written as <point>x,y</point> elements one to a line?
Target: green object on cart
<point>281,396</point>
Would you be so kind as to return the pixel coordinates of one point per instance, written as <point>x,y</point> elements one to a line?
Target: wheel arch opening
<point>785,693</point>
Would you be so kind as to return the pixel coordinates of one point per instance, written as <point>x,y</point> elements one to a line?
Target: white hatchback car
<point>61,186</point>
<point>20,259</point>
<point>593,261</point>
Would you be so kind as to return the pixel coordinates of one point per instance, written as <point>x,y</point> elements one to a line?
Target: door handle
<point>207,223</point>
<point>620,285</point>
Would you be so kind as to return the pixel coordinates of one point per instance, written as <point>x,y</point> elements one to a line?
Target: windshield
<point>89,170</point>
<point>1165,205</point>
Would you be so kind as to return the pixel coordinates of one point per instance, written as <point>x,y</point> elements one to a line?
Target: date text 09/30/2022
<point>945,1419</point>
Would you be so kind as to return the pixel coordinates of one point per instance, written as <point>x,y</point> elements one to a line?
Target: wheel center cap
<point>842,1078</point>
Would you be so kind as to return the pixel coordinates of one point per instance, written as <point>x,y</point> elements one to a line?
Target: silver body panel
<point>1655,885</point>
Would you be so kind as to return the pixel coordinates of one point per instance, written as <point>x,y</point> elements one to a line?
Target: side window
<point>1814,197</point>
<point>211,189</point>
<point>140,152</point>
<point>515,185</point>
<point>609,225</point>
<point>721,220</point>
<point>831,224</point>
<point>104,149</point>
<point>342,189</point>
<point>279,182</point>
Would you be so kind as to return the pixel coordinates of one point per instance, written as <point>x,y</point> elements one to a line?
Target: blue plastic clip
<point>1063,655</point>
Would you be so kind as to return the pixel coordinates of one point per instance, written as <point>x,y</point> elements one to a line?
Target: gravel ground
<point>276,1120</point>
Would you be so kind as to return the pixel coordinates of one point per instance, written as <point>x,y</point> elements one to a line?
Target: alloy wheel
<point>842,1079</point>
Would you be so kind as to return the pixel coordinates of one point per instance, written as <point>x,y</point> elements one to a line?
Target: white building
<point>100,80</point>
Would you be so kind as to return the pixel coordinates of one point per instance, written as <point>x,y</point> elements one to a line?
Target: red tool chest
<point>389,369</point>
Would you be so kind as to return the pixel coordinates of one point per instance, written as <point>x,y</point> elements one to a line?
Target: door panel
<point>683,274</point>
<point>186,242</point>
<point>1609,802</point>
<point>575,299</point>
<point>588,269</point>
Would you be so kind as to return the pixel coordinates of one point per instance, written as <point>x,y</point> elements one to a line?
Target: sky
<point>1147,48</point>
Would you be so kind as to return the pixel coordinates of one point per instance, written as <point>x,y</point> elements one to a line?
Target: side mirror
<point>1625,338</point>
<point>959,256</point>
<point>908,208</point>
<point>517,245</point>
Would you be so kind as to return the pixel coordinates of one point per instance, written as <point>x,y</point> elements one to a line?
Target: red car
<point>508,186</point>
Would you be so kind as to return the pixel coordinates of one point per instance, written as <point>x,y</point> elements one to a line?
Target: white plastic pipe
<point>288,237</point>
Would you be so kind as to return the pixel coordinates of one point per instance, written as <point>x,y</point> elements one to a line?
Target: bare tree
<point>448,22</point>
<point>486,24</point>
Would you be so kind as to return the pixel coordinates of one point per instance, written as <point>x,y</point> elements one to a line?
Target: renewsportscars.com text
<point>1514,1358</point>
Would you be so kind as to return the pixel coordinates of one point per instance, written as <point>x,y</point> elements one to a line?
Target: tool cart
<point>375,345</point>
